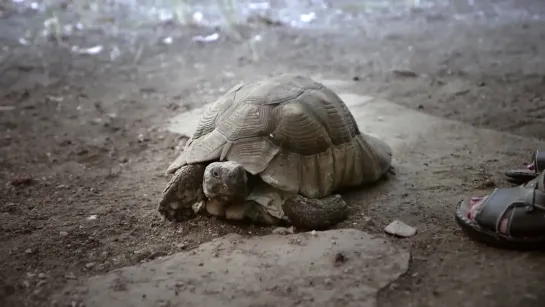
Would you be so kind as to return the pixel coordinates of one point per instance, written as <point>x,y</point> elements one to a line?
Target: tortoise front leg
<point>391,171</point>
<point>182,191</point>
<point>315,213</point>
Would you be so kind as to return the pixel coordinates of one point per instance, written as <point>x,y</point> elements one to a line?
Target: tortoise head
<point>225,181</point>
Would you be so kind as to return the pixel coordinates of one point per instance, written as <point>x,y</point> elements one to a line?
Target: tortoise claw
<point>392,170</point>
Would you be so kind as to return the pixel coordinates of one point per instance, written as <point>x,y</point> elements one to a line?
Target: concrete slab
<point>343,267</point>
<point>431,155</point>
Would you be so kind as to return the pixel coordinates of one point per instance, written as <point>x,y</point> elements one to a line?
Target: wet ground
<point>83,151</point>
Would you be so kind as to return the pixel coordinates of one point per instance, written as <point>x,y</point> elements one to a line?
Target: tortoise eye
<point>215,173</point>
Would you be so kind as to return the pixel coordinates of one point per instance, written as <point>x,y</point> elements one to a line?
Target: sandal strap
<point>529,221</point>
<point>524,204</point>
<point>535,196</point>
<point>491,212</point>
<point>539,161</point>
<point>522,223</point>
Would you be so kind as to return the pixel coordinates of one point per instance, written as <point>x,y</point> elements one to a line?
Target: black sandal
<point>523,206</point>
<point>520,176</point>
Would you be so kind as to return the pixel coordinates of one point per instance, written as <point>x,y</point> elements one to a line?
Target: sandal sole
<point>493,239</point>
<point>519,176</point>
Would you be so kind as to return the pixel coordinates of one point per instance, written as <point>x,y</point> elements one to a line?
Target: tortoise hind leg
<point>315,213</point>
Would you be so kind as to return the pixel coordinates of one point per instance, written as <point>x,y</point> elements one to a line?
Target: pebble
<point>141,138</point>
<point>63,233</point>
<point>28,251</point>
<point>283,230</point>
<point>70,276</point>
<point>398,228</point>
<point>90,265</point>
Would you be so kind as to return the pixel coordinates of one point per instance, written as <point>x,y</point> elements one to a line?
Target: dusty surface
<point>337,267</point>
<point>82,155</point>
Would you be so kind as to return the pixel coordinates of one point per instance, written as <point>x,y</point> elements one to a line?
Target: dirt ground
<point>83,152</point>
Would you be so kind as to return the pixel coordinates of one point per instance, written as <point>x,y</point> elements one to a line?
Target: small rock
<point>488,184</point>
<point>70,276</point>
<point>21,180</point>
<point>283,231</point>
<point>141,138</point>
<point>63,233</point>
<point>165,304</point>
<point>41,283</point>
<point>11,208</point>
<point>123,159</point>
<point>6,108</point>
<point>90,265</point>
<point>28,251</point>
<point>313,233</point>
<point>199,207</point>
<point>462,92</point>
<point>398,228</point>
<point>42,276</point>
<point>26,283</point>
<point>92,217</point>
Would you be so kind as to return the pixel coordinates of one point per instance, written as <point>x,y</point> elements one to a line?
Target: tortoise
<point>274,152</point>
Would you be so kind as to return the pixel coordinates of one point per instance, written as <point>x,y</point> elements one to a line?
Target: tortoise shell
<point>292,131</point>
